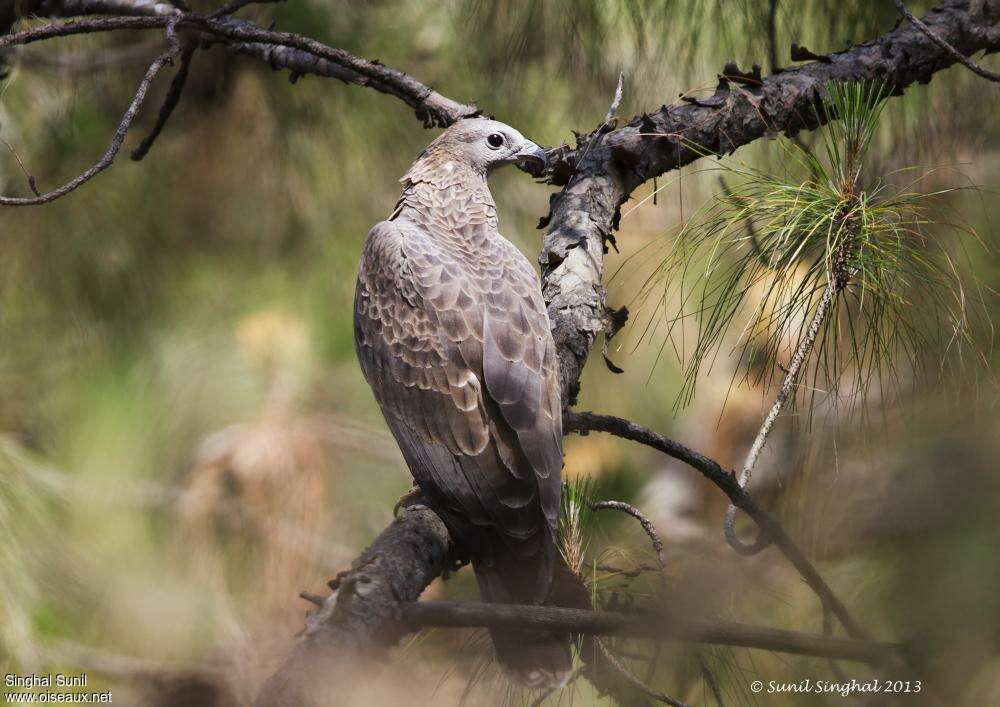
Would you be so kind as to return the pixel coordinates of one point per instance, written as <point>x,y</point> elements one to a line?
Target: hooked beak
<point>532,159</point>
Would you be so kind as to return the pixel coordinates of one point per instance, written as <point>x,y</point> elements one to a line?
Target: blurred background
<point>186,440</point>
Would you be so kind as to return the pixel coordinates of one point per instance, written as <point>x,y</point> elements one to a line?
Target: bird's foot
<point>411,495</point>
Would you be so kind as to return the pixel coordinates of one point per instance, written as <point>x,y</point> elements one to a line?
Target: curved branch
<point>785,392</point>
<point>300,54</point>
<point>631,679</point>
<point>170,102</point>
<point>647,525</point>
<point>583,422</point>
<point>119,137</point>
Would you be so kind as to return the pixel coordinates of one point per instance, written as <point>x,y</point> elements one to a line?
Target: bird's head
<point>483,145</point>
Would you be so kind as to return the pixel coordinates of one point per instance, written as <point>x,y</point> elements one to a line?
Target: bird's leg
<point>411,495</point>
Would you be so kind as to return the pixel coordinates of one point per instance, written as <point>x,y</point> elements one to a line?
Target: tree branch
<point>603,170</point>
<point>298,54</point>
<point>955,54</point>
<point>584,215</point>
<point>785,392</point>
<point>587,421</point>
<point>170,102</point>
<point>361,619</point>
<point>282,50</point>
<point>651,625</point>
<point>119,137</point>
<point>599,175</point>
<point>647,525</point>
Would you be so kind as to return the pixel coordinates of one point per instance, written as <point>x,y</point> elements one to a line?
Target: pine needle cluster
<point>759,256</point>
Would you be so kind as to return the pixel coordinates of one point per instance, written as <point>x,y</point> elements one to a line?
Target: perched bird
<point>453,337</point>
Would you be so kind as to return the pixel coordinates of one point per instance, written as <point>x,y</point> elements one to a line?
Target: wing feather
<point>463,366</point>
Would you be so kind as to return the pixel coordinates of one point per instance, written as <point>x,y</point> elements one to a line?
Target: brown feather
<point>453,337</point>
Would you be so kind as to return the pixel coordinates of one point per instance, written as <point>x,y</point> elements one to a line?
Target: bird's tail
<point>544,660</point>
<point>535,659</point>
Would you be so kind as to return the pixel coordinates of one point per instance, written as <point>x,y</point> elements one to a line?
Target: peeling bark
<point>604,168</point>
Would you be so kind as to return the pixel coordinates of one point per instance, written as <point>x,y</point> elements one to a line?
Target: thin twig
<point>647,525</point>
<point>119,137</point>
<point>727,482</point>
<point>170,102</point>
<point>955,54</point>
<point>616,101</point>
<point>633,680</point>
<point>612,660</point>
<point>32,184</point>
<point>785,393</point>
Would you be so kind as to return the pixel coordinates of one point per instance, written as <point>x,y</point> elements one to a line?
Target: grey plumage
<point>453,337</point>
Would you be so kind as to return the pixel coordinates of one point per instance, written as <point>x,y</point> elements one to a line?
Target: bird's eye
<point>495,141</point>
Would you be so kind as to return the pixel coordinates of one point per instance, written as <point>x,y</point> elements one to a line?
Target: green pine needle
<point>758,256</point>
<point>575,520</point>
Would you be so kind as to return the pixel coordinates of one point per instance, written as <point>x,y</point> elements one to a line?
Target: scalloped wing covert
<point>453,337</point>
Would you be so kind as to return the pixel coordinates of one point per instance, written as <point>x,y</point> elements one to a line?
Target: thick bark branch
<point>361,619</point>
<point>651,625</point>
<point>606,167</point>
